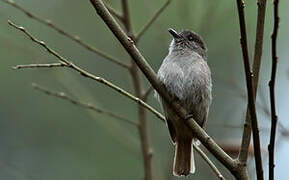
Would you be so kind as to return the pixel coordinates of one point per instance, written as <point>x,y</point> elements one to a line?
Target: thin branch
<point>250,91</point>
<point>85,105</point>
<point>209,162</point>
<point>138,88</point>
<point>87,74</point>
<point>147,93</point>
<point>259,42</point>
<point>152,20</point>
<point>51,65</point>
<point>66,34</point>
<point>243,155</point>
<point>127,18</point>
<point>41,43</point>
<point>116,14</point>
<point>274,117</point>
<point>130,47</point>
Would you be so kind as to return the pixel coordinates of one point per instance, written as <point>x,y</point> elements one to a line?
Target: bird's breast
<point>186,78</point>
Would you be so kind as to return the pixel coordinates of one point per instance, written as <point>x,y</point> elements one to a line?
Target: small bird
<point>186,75</point>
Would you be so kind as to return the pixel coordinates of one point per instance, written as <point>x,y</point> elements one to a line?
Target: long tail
<point>184,162</point>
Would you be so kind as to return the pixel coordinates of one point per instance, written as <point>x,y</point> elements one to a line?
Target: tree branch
<point>138,88</point>
<point>274,117</point>
<point>209,162</point>
<point>87,74</point>
<point>66,34</point>
<point>152,20</point>
<point>130,47</point>
<point>51,65</point>
<point>243,155</point>
<point>85,105</point>
<point>250,91</point>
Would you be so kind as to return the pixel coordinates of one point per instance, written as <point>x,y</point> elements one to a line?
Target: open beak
<point>174,33</point>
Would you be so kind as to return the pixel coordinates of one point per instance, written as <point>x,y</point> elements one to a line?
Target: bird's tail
<point>184,162</point>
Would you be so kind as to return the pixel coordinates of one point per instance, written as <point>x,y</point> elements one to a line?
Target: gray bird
<point>186,75</point>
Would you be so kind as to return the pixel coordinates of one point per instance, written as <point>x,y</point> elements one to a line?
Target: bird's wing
<point>169,123</point>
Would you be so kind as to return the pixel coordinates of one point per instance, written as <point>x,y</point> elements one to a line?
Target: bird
<point>187,77</point>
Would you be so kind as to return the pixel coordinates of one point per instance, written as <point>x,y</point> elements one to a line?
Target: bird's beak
<point>174,33</point>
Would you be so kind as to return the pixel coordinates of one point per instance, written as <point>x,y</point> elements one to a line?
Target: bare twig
<point>66,34</point>
<point>85,105</point>
<point>138,88</point>
<point>209,162</point>
<point>256,69</point>
<point>146,93</point>
<point>152,20</point>
<point>127,18</point>
<point>115,13</point>
<point>274,117</point>
<point>130,47</point>
<point>250,91</point>
<point>87,74</point>
<point>259,42</point>
<point>51,65</point>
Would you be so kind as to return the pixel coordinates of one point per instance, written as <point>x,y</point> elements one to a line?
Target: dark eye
<point>190,37</point>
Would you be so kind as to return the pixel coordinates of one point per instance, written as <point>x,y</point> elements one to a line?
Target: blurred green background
<point>43,137</point>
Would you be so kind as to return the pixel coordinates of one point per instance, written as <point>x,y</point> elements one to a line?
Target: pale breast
<point>186,76</point>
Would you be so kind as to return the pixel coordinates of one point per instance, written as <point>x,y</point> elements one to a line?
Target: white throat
<point>171,46</point>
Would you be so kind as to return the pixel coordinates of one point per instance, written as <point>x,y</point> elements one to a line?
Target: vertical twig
<point>152,20</point>
<point>246,138</point>
<point>274,117</point>
<point>127,18</point>
<point>251,99</point>
<point>138,88</point>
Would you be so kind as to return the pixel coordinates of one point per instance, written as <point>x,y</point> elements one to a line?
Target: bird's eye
<point>190,37</point>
